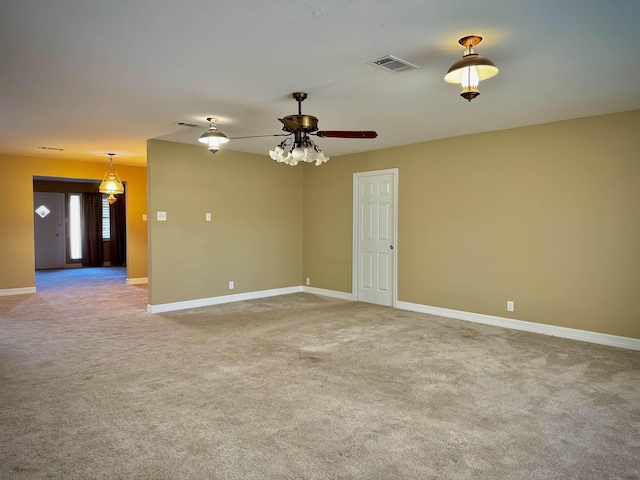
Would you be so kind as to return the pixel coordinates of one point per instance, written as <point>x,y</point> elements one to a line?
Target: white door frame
<point>356,210</point>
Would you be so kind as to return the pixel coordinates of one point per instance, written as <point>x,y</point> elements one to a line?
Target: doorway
<point>111,224</point>
<point>375,214</point>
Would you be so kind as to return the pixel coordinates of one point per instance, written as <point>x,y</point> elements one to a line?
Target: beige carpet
<point>298,387</point>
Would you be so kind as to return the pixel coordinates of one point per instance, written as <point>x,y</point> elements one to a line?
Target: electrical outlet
<point>510,306</point>
<point>231,285</point>
<point>162,216</point>
<point>308,282</point>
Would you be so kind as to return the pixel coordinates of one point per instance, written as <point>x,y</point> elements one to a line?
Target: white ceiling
<point>98,76</point>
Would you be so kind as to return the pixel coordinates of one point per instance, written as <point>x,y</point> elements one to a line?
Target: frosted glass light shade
<point>469,77</point>
<point>297,153</point>
<point>305,151</point>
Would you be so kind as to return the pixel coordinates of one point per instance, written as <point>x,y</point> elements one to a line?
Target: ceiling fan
<point>300,147</point>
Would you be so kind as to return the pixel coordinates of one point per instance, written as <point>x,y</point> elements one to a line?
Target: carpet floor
<point>298,387</point>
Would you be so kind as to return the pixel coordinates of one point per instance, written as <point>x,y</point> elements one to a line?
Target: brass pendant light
<point>213,137</point>
<point>470,69</point>
<point>111,184</point>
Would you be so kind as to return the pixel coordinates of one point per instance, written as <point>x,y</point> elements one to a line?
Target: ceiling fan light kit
<point>298,146</point>
<point>291,152</point>
<point>470,69</point>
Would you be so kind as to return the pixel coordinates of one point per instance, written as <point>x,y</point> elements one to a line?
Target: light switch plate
<point>207,216</point>
<point>162,216</point>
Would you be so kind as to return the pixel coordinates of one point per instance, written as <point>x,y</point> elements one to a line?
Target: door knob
<point>391,247</point>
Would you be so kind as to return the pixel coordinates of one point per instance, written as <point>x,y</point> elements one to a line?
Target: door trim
<point>356,209</point>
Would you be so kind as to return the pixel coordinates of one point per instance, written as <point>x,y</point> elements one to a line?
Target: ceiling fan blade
<point>261,136</point>
<point>290,125</point>
<point>347,134</point>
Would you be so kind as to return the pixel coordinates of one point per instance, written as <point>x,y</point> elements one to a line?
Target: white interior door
<point>48,217</point>
<point>374,234</point>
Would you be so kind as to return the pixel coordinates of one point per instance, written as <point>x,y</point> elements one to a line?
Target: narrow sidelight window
<point>106,220</point>
<point>75,229</point>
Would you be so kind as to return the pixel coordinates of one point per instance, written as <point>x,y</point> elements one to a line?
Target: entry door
<point>48,217</point>
<point>375,254</point>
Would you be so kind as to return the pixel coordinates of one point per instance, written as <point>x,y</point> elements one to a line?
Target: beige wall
<point>547,216</point>
<point>17,258</point>
<point>254,238</point>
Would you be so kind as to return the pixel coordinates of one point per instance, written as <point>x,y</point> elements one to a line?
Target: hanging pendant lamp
<point>111,184</point>
<point>213,137</point>
<point>470,69</point>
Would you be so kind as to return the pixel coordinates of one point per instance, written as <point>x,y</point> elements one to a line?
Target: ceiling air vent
<point>392,64</point>
<point>187,124</point>
<point>41,147</point>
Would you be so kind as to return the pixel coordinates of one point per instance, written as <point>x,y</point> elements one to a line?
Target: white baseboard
<point>137,281</point>
<point>572,333</point>
<point>328,293</point>
<point>205,302</point>
<point>17,291</point>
